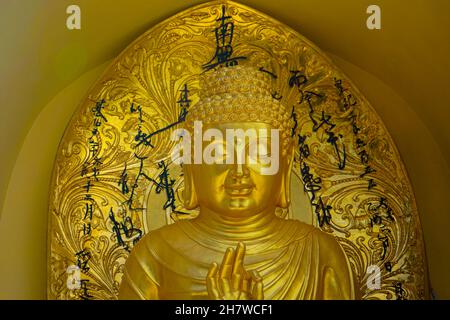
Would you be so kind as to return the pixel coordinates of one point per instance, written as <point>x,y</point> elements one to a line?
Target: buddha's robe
<point>299,262</point>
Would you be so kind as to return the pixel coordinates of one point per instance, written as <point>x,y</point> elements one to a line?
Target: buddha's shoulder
<point>328,247</point>
<point>166,237</point>
<point>309,232</point>
<point>298,229</point>
<point>323,245</point>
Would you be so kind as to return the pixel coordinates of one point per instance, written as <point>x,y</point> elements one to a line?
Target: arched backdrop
<point>114,165</point>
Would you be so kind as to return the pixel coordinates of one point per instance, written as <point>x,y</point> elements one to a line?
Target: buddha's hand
<point>231,281</point>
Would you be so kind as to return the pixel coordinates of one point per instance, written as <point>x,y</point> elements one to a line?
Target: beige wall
<point>23,223</point>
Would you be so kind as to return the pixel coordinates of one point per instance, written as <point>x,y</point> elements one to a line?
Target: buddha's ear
<point>189,194</point>
<point>285,188</point>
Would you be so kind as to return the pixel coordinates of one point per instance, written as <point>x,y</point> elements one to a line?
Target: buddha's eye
<point>259,154</point>
<point>214,152</point>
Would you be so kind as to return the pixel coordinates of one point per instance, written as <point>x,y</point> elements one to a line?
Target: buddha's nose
<point>240,170</point>
<point>239,167</point>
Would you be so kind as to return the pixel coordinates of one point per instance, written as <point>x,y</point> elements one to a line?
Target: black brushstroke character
<point>87,229</point>
<point>323,213</point>
<point>304,148</point>
<point>342,155</point>
<point>311,184</point>
<point>367,170</point>
<point>277,96</point>
<point>388,266</point>
<point>89,210</point>
<point>184,102</point>
<point>372,184</point>
<point>137,109</point>
<point>135,184</point>
<point>224,48</point>
<point>385,244</point>
<point>124,181</point>
<point>273,75</point>
<point>85,295</point>
<point>324,119</point>
<point>83,258</point>
<point>97,110</point>
<point>297,79</point>
<point>165,184</point>
<point>399,291</point>
<point>144,138</point>
<point>294,118</point>
<point>125,229</point>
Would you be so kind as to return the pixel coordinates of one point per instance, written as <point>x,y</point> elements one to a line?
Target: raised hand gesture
<point>231,281</point>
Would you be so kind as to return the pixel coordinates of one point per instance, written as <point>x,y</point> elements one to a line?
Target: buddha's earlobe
<point>189,194</point>
<point>285,188</point>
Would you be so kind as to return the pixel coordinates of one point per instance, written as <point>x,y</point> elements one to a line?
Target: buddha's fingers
<point>212,284</point>
<point>246,282</point>
<point>256,288</point>
<point>225,272</point>
<point>237,273</point>
<point>227,264</point>
<point>252,282</point>
<point>236,282</point>
<point>238,265</point>
<point>212,272</point>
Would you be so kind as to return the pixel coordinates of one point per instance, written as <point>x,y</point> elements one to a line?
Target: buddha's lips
<point>239,189</point>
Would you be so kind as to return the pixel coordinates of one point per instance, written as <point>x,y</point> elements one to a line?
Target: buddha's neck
<point>257,226</point>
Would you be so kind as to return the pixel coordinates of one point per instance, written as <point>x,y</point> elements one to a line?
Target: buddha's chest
<point>185,276</point>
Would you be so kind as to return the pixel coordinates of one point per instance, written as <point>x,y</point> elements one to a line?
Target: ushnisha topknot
<point>239,94</point>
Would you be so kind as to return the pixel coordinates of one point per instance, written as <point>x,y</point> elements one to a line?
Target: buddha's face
<point>246,186</point>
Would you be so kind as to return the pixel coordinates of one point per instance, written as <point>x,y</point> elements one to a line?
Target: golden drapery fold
<point>300,262</point>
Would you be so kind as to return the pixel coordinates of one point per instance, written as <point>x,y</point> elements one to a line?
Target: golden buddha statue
<point>238,247</point>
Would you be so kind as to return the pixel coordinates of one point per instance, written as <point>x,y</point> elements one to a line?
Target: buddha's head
<point>247,136</point>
